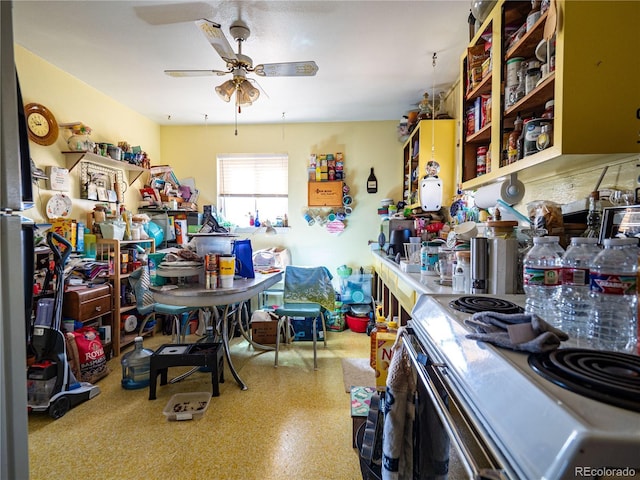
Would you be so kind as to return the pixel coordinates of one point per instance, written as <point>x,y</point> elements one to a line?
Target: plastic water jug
<point>136,366</point>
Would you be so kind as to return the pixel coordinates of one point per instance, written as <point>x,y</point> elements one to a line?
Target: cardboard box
<point>65,227</point>
<point>384,342</point>
<point>264,332</point>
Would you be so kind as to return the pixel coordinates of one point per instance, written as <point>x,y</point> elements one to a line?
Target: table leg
<point>153,378</point>
<point>244,332</point>
<point>207,318</point>
<point>225,343</point>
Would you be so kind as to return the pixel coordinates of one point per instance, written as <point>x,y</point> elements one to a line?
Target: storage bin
<point>356,288</point>
<point>113,231</point>
<point>187,406</point>
<point>212,244</point>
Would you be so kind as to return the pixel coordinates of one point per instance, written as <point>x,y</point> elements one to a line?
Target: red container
<point>357,324</point>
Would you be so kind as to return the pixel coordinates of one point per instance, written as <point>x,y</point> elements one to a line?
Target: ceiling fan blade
<point>287,69</point>
<point>216,38</point>
<point>195,73</point>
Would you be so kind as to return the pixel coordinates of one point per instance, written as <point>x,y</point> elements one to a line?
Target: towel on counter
<point>524,332</point>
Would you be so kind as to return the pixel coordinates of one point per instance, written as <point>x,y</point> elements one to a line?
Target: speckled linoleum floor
<point>291,423</point>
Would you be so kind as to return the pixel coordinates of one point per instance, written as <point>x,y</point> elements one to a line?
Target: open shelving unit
<point>74,157</point>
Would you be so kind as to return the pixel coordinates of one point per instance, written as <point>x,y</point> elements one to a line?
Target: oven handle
<point>443,412</point>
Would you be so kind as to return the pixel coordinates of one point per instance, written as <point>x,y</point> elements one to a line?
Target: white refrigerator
<point>16,260</point>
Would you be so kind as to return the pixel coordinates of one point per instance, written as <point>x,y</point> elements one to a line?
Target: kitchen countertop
<point>423,285</point>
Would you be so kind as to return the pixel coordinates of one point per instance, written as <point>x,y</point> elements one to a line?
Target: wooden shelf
<point>128,338</point>
<point>529,41</point>
<point>110,248</point>
<point>573,86</point>
<point>74,157</point>
<point>481,136</point>
<point>536,99</point>
<point>127,308</point>
<point>483,88</point>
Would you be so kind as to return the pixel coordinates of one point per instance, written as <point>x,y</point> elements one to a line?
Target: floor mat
<point>357,372</point>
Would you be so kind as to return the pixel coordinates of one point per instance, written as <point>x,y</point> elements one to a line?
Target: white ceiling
<point>374,57</point>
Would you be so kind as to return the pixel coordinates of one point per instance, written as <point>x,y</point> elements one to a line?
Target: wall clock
<point>41,124</point>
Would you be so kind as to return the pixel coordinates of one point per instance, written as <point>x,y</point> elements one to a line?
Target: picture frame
<point>103,196</point>
<point>92,191</point>
<point>325,194</point>
<point>620,222</point>
<point>112,196</point>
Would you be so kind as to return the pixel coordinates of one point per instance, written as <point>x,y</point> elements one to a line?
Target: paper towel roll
<point>510,192</point>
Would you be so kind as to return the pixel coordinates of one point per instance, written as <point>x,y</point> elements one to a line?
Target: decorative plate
<point>59,206</point>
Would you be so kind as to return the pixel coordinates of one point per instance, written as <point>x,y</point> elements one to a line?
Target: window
<point>250,183</point>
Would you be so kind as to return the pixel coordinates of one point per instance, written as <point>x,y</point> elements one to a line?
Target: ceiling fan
<point>239,65</point>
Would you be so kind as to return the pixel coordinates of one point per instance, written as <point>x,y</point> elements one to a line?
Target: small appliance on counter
<point>388,226</point>
<point>397,240</point>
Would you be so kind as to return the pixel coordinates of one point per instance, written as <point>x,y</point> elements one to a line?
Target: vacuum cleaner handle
<point>59,257</point>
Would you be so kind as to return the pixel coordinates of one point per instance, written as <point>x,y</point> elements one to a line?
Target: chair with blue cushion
<point>308,292</point>
<point>147,306</point>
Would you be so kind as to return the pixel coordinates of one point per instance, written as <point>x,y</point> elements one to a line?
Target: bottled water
<point>541,278</point>
<point>613,319</point>
<point>554,242</point>
<point>136,366</point>
<point>574,302</point>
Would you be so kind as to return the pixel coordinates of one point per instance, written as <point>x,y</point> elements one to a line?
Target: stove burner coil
<point>473,304</point>
<point>609,377</point>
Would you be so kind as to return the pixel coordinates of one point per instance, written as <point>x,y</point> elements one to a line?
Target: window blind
<point>262,175</point>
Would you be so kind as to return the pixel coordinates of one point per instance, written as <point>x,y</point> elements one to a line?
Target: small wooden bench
<point>208,356</point>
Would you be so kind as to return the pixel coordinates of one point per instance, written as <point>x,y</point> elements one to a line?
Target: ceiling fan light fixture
<point>249,90</point>
<point>226,90</point>
<point>242,98</point>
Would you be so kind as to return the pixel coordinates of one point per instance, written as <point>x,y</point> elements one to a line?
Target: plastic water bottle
<point>424,252</point>
<point>574,301</point>
<point>429,258</point>
<point>613,319</point>
<point>542,278</point>
<point>136,366</point>
<point>555,244</point>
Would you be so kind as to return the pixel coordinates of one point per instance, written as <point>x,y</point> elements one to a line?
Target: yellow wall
<point>71,100</point>
<point>192,153</point>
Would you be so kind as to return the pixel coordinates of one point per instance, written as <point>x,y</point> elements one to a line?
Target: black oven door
<point>443,422</point>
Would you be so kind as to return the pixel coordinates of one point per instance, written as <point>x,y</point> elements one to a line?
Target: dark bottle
<point>372,183</point>
<point>256,221</point>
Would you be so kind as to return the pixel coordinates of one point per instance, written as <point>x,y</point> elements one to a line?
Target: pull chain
<point>433,108</point>
<point>237,111</point>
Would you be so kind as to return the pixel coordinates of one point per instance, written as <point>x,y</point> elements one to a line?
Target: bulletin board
<point>325,194</point>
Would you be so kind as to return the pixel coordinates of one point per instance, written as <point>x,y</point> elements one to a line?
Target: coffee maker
<point>398,233</point>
